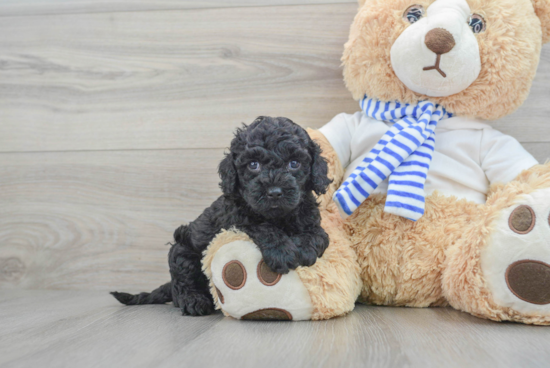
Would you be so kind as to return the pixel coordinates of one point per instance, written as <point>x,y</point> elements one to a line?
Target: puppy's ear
<point>228,174</point>
<point>318,180</point>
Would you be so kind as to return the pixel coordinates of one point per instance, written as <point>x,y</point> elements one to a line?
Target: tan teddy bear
<point>429,206</point>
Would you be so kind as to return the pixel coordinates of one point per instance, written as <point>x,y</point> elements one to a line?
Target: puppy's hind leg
<point>160,295</point>
<point>190,290</point>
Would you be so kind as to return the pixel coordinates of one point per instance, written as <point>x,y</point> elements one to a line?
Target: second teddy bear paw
<point>248,289</point>
<point>516,261</point>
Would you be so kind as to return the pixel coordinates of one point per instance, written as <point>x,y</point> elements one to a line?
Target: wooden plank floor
<point>89,329</point>
<point>113,117</point>
<point>176,79</point>
<point>184,79</point>
<point>112,122</point>
<point>41,7</point>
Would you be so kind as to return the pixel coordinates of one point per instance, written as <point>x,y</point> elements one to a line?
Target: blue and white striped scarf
<point>404,154</point>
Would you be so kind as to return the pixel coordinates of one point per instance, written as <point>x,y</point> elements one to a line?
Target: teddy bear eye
<point>477,23</point>
<point>254,166</point>
<point>414,13</point>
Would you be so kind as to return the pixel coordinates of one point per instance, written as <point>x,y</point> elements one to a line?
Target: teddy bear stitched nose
<point>440,41</point>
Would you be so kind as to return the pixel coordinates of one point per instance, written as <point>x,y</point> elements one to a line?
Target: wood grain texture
<point>90,329</point>
<point>184,79</point>
<point>112,124</point>
<point>41,7</point>
<point>111,128</point>
<point>170,79</point>
<point>541,151</point>
<point>98,220</point>
<point>101,219</point>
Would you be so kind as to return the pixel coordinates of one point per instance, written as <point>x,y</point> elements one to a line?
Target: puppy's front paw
<point>310,248</point>
<point>281,260</point>
<point>307,257</point>
<point>196,304</point>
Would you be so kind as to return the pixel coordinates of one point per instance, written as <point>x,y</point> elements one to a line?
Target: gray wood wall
<point>115,113</point>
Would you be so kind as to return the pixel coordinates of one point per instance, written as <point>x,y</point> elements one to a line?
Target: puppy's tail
<point>160,295</point>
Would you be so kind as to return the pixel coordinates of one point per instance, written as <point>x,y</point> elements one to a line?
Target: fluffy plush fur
<point>435,261</point>
<point>441,259</point>
<point>268,180</point>
<point>509,49</point>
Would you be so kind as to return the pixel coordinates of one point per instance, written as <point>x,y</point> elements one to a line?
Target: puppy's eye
<point>254,166</point>
<point>294,165</point>
<point>414,13</point>
<point>477,23</point>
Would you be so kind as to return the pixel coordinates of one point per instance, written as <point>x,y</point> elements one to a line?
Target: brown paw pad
<point>269,314</point>
<point>234,275</point>
<point>522,220</point>
<point>266,275</point>
<point>530,281</point>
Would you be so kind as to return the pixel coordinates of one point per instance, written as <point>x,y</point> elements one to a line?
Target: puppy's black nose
<point>274,193</point>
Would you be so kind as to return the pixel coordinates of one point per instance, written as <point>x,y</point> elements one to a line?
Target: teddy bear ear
<point>542,8</point>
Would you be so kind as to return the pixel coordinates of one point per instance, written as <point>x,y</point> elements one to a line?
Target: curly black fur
<point>268,180</point>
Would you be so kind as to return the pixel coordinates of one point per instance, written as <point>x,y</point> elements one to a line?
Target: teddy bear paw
<point>247,288</point>
<point>516,261</point>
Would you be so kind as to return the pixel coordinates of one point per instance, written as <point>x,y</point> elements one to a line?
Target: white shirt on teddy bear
<point>469,154</point>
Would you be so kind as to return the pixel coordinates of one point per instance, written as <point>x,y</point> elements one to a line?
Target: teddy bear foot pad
<point>248,289</point>
<point>516,261</point>
<point>530,281</point>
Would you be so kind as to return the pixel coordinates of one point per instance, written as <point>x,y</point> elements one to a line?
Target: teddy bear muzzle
<point>438,55</point>
<point>440,41</point>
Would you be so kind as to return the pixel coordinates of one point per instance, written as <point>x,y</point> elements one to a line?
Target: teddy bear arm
<point>335,169</point>
<point>502,157</point>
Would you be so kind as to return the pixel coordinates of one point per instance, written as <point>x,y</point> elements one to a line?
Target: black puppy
<point>268,180</point>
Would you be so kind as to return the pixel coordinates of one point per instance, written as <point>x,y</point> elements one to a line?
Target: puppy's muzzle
<point>440,41</point>
<point>274,193</point>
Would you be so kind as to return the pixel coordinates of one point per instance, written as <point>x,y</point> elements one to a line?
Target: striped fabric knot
<point>403,154</point>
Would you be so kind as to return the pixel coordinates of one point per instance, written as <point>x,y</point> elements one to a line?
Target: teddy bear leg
<point>244,287</point>
<point>501,267</point>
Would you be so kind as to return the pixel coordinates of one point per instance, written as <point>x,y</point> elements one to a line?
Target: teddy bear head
<point>476,58</point>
